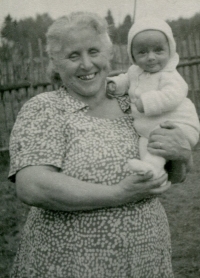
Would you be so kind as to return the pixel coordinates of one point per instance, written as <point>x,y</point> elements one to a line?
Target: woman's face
<point>83,62</point>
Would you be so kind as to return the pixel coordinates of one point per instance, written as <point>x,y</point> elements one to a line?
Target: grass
<point>12,217</point>
<point>181,203</point>
<point>183,209</point>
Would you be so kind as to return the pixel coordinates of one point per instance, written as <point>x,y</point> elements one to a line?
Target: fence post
<point>31,69</point>
<point>191,71</point>
<point>196,52</point>
<point>41,57</point>
<point>31,73</point>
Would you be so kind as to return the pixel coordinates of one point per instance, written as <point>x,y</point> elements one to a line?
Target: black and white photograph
<point>99,139</point>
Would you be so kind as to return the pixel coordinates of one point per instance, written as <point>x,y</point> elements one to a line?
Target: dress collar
<point>68,102</point>
<point>72,105</point>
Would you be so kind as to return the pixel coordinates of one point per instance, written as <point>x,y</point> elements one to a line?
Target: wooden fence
<point>17,67</point>
<point>14,93</point>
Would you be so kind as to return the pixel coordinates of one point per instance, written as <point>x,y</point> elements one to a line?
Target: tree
<point>9,30</point>
<point>111,26</point>
<point>183,28</point>
<point>109,18</point>
<point>26,31</point>
<point>123,30</point>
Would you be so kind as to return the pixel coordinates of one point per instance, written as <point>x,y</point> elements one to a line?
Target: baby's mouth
<point>152,65</point>
<point>87,77</point>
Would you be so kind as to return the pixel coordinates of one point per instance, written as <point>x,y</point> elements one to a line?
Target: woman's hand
<point>135,187</point>
<point>169,142</point>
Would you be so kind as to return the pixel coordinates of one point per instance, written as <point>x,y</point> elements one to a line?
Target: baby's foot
<point>139,167</point>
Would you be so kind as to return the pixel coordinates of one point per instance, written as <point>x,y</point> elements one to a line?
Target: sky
<point>165,9</point>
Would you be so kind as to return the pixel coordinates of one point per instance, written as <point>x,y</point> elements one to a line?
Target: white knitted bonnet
<point>151,24</point>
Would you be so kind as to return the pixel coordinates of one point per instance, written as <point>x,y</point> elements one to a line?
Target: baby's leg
<point>148,161</point>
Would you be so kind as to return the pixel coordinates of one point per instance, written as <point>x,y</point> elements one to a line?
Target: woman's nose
<point>86,62</point>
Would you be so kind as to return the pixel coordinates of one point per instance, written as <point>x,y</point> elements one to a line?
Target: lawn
<point>182,204</point>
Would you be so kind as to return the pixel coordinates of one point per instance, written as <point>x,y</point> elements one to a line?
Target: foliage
<point>26,31</point>
<point>123,30</point>
<point>118,34</point>
<point>111,25</point>
<point>182,28</point>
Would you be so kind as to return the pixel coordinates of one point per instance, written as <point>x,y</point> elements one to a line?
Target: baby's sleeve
<point>37,137</point>
<point>171,92</point>
<point>122,83</point>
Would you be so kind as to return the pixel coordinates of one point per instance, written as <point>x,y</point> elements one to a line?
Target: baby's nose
<point>151,55</point>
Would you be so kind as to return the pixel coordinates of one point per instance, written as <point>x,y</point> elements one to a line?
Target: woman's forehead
<point>75,37</point>
<point>74,31</point>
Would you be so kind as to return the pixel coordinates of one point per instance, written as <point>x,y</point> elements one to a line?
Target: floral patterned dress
<point>132,240</point>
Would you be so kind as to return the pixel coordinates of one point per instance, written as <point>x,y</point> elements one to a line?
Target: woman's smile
<point>87,77</point>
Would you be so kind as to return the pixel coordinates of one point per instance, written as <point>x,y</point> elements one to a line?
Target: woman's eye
<point>93,51</point>
<point>73,56</point>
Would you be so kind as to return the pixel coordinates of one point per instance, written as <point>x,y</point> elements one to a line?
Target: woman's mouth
<point>87,77</point>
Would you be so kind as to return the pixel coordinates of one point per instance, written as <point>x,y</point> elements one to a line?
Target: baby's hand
<point>110,88</point>
<point>139,105</point>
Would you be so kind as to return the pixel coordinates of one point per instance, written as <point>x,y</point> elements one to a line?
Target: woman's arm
<point>170,143</point>
<point>45,187</point>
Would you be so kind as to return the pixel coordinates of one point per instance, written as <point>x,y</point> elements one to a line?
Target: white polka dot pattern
<point>127,241</point>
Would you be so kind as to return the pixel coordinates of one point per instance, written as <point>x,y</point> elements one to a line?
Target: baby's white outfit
<point>163,94</point>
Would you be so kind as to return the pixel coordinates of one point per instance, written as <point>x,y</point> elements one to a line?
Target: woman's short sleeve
<point>37,137</point>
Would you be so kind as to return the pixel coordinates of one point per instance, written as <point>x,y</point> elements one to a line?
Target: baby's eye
<point>142,52</point>
<point>159,49</point>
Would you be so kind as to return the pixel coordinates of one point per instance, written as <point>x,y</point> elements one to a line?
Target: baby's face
<point>150,50</point>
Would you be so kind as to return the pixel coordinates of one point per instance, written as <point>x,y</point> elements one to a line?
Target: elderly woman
<point>90,216</point>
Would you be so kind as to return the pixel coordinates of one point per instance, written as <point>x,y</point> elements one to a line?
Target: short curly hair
<point>62,25</point>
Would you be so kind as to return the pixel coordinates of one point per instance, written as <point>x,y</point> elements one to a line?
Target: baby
<point>157,91</point>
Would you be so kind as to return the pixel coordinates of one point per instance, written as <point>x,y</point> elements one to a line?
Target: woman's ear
<point>52,72</point>
<point>52,65</point>
<point>111,52</point>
